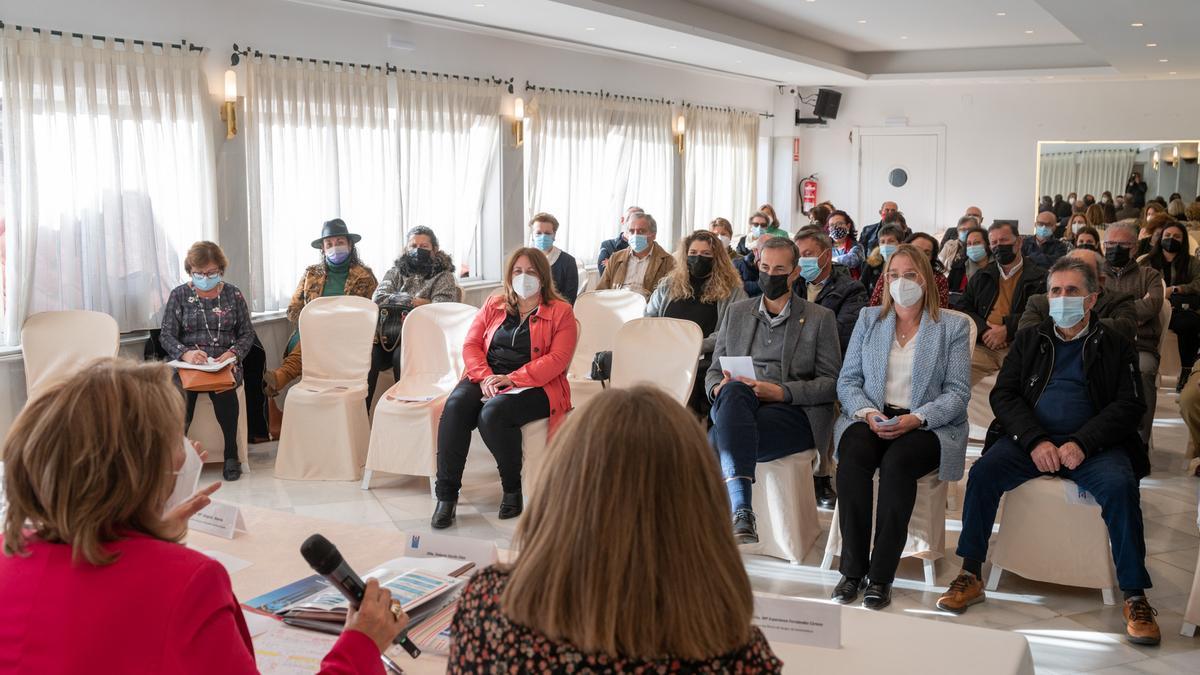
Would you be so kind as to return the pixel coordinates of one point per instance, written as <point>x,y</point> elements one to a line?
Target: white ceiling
<point>820,42</point>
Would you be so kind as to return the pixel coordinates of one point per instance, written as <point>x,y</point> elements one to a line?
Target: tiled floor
<point>1069,629</point>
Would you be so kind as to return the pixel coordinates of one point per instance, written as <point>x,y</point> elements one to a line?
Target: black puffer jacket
<point>1110,362</point>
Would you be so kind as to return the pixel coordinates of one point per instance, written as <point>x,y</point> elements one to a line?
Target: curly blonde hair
<point>720,283</point>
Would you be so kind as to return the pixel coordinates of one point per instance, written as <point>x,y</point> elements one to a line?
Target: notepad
<point>211,367</point>
<point>738,366</point>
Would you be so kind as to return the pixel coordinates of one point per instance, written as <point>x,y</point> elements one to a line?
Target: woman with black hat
<point>340,272</point>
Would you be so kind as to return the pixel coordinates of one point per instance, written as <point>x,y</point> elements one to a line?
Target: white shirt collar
<point>553,254</point>
<point>1016,268</point>
<point>774,320</point>
<point>1082,332</point>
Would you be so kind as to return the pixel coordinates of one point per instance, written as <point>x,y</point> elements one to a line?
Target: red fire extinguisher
<point>808,194</point>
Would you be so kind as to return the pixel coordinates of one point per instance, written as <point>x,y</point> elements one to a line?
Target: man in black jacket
<point>995,298</point>
<point>870,234</point>
<point>617,243</point>
<point>1068,402</point>
<point>1116,310</point>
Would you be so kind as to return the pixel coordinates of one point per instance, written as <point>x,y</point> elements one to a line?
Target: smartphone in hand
<point>882,421</point>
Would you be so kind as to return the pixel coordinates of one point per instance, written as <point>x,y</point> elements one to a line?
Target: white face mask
<point>906,293</point>
<point>724,240</point>
<point>187,479</point>
<point>526,285</point>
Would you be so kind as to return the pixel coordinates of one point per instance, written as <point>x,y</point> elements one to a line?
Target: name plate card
<point>799,622</point>
<point>482,553</point>
<point>219,518</point>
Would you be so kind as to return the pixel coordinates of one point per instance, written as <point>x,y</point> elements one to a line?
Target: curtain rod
<point>182,44</point>
<point>387,68</point>
<point>623,97</point>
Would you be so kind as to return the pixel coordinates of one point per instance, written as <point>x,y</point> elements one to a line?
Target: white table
<point>872,641</point>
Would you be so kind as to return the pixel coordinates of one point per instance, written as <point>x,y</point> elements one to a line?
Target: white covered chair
<point>325,428</point>
<point>659,351</point>
<point>53,350</point>
<point>404,432</point>
<point>600,315</point>
<point>535,436</point>
<point>583,279</point>
<point>1191,614</point>
<point>785,505</point>
<point>205,430</point>
<point>1046,538</point>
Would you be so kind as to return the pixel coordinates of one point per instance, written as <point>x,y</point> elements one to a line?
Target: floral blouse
<point>485,641</point>
<point>214,325</point>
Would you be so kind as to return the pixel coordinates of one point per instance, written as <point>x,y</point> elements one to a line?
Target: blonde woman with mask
<point>517,352</point>
<point>626,560</point>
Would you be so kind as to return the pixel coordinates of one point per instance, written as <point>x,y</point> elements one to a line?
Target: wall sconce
<point>1175,155</point>
<point>229,108</point>
<point>1154,161</point>
<point>518,125</point>
<point>680,128</point>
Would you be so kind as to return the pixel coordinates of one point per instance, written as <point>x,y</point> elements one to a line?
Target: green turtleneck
<point>335,278</point>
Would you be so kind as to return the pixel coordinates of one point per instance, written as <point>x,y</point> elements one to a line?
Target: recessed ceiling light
<point>1049,77</point>
<point>1173,73</point>
<point>903,37</point>
<point>480,4</point>
<point>862,20</point>
<point>1151,44</point>
<point>1139,24</point>
<point>590,28</point>
<point>1001,13</point>
<point>1029,32</point>
<point>671,46</point>
<point>1162,60</point>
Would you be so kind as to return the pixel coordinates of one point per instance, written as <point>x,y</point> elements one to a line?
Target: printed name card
<point>482,553</point>
<point>219,518</point>
<point>799,622</point>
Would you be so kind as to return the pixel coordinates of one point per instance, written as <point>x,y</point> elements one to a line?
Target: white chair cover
<point>1045,538</point>
<point>53,350</point>
<point>1191,615</point>
<point>785,504</point>
<point>207,432</point>
<point>325,428</point>
<point>535,436</point>
<point>583,279</point>
<point>600,315</point>
<point>1164,318</point>
<point>658,351</point>
<point>404,432</point>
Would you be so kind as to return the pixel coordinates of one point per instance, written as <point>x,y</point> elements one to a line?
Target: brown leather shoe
<point>964,591</point>
<point>1140,626</point>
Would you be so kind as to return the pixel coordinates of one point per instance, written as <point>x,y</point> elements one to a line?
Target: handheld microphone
<point>327,561</point>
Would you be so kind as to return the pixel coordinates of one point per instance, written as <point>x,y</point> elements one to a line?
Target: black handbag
<point>1185,301</point>
<point>602,366</point>
<point>391,322</point>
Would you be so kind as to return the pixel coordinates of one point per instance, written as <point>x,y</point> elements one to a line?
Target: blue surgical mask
<point>756,232</point>
<point>1067,310</point>
<point>544,242</point>
<point>977,252</point>
<point>205,283</point>
<point>886,250</point>
<point>337,255</point>
<point>1043,231</point>
<point>962,235</point>
<point>810,268</point>
<point>639,242</point>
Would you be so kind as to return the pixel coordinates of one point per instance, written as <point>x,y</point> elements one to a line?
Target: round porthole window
<point>898,177</point>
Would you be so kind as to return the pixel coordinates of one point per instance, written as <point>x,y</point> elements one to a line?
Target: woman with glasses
<point>929,246</point>
<point>903,389</point>
<point>974,255</point>
<point>846,249</point>
<point>1181,273</point>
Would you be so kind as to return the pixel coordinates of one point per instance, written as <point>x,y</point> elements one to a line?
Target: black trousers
<point>225,405</point>
<point>381,360</point>
<point>499,419</point>
<point>901,463</point>
<point>1186,325</point>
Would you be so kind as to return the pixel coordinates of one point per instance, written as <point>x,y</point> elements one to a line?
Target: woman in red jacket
<point>92,576</point>
<point>516,352</point>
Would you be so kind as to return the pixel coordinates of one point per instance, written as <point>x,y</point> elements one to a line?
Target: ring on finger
<point>397,609</point>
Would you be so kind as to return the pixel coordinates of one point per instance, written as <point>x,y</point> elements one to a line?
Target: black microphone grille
<point>320,554</point>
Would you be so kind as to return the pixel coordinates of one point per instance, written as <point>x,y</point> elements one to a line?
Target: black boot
<point>1184,374</point>
<point>826,497</point>
<point>233,470</point>
<point>877,596</point>
<point>443,515</point>
<point>511,505</point>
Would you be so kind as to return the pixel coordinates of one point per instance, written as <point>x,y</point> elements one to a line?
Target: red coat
<point>160,608</point>
<point>552,337</point>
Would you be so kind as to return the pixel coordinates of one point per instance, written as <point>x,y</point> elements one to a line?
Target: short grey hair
<point>1069,264</point>
<point>815,234</point>
<point>1095,256</point>
<point>419,230</point>
<point>1129,226</point>
<point>642,215</point>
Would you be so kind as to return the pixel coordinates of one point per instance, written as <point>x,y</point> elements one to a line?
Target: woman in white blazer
<point>904,388</point>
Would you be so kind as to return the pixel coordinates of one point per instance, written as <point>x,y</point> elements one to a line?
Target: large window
<point>720,166</point>
<point>108,175</point>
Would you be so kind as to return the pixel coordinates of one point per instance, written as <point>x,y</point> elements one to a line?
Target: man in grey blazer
<point>788,406</point>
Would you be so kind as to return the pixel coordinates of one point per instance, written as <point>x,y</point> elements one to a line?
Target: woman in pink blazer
<point>516,352</point>
<point>92,576</point>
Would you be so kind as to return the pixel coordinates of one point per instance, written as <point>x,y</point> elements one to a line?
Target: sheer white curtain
<point>320,144</point>
<point>720,163</point>
<point>1086,172</point>
<point>589,157</point>
<point>1057,174</point>
<point>108,172</point>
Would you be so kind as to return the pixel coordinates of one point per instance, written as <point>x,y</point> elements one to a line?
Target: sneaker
<point>745,529</point>
<point>1140,626</point>
<point>964,591</point>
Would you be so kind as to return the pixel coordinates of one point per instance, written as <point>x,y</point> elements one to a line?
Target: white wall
<point>992,133</point>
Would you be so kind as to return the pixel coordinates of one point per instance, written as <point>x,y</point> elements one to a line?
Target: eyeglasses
<point>1117,244</point>
<point>911,276</point>
<point>757,223</point>
<point>208,275</point>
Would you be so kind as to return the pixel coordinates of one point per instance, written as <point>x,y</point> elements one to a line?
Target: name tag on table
<point>799,622</point>
<point>481,553</point>
<point>221,519</point>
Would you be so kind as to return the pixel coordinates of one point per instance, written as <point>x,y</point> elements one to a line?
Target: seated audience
<point>543,227</point>
<point>724,231</point>
<point>760,224</point>
<point>1192,213</point>
<point>1175,208</point>
<point>818,216</point>
<point>567,604</point>
<point>747,266</point>
<point>1153,219</point>
<point>700,289</point>
<point>422,274</point>
<point>1095,216</point>
<point>1061,208</point>
<point>870,234</point>
<point>1080,425</point>
<point>1043,248</point>
<point>640,267</point>
<point>1074,224</point>
<point>974,255</point>
<point>955,233</point>
<point>929,246</point>
<point>903,414</point>
<point>1129,209</point>
<point>1144,283</point>
<point>890,238</point>
<point>1116,310</point>
<point>827,283</point>
<point>205,318</point>
<point>93,576</point>
<point>522,339</point>
<point>340,272</point>
<point>1109,206</point>
<point>955,240</point>
<point>1077,208</point>
<point>1180,271</point>
<point>788,406</point>
<point>1087,237</point>
<point>618,243</point>
<point>846,250</point>
<point>995,298</point>
<point>774,223</point>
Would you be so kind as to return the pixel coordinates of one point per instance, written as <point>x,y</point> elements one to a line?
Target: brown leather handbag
<point>198,380</point>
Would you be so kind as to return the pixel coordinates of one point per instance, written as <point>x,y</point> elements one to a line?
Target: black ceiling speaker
<point>828,102</point>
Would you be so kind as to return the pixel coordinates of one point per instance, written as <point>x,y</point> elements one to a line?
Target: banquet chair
<point>1191,613</point>
<point>206,431</point>
<point>535,436</point>
<point>404,431</point>
<point>658,351</point>
<point>53,351</point>
<point>600,315</point>
<point>583,279</point>
<point>325,428</point>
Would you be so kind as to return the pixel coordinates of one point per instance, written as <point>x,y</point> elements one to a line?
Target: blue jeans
<point>747,431</point>
<point>1108,476</point>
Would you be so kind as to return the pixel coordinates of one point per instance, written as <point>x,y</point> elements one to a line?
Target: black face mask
<point>774,286</point>
<point>421,257</point>
<point>1087,247</point>
<point>699,266</point>
<point>1117,256</point>
<point>1171,245</point>
<point>1004,253</point>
